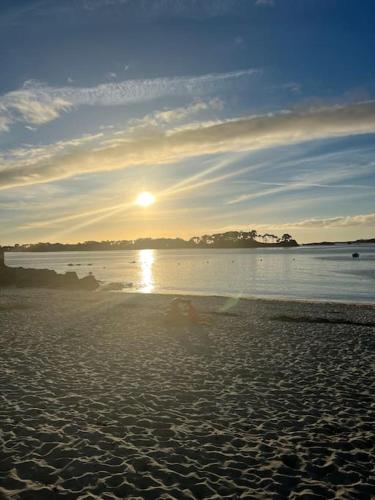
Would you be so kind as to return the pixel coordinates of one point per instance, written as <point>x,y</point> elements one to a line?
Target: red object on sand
<point>193,314</point>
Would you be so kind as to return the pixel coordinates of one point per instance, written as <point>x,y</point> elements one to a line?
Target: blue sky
<point>235,114</point>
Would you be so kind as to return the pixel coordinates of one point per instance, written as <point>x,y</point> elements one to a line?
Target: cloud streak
<point>37,103</point>
<point>146,10</point>
<point>168,116</point>
<point>327,179</point>
<point>266,3</point>
<point>136,10</point>
<point>331,223</point>
<point>165,147</point>
<point>343,221</point>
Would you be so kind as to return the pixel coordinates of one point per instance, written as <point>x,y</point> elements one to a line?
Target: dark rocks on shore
<point>110,287</point>
<point>45,278</point>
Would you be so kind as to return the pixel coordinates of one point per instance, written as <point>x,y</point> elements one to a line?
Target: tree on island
<point>285,238</point>
<point>267,237</point>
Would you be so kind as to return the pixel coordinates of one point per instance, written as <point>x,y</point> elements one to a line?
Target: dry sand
<point>99,399</point>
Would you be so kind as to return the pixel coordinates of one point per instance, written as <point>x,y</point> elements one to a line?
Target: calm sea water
<point>319,273</point>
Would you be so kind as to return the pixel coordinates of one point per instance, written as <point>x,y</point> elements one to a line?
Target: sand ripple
<point>100,400</point>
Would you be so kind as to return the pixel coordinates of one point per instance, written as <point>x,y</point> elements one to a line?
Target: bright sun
<point>145,199</point>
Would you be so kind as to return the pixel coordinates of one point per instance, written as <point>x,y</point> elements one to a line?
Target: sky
<point>234,114</point>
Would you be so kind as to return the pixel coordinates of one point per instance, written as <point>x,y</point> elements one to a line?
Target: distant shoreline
<point>229,239</point>
<point>73,248</point>
<point>255,247</point>
<point>100,247</point>
<point>331,243</point>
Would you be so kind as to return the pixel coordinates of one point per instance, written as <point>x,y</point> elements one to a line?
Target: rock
<point>69,279</point>
<point>115,286</point>
<point>88,283</point>
<point>5,276</point>
<point>2,262</point>
<point>109,287</point>
<point>44,278</point>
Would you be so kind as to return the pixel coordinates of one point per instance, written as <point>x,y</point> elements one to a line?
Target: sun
<point>145,199</point>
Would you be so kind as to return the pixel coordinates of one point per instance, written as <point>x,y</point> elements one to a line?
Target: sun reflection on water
<point>146,258</point>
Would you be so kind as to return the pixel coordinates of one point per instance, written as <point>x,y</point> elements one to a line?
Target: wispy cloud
<point>239,42</point>
<point>4,123</point>
<point>37,103</point>
<point>293,87</point>
<point>25,159</point>
<point>173,115</point>
<point>166,8</point>
<point>139,10</point>
<point>331,179</point>
<point>33,104</point>
<point>111,75</point>
<point>162,147</point>
<point>265,3</point>
<point>322,223</point>
<point>342,221</point>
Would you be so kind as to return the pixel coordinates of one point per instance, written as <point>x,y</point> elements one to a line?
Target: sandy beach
<point>100,399</point>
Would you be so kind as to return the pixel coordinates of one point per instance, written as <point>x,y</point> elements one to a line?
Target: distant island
<point>229,239</point>
<point>354,242</point>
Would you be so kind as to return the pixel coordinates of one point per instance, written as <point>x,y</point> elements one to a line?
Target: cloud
<point>4,123</point>
<point>33,104</point>
<point>330,178</point>
<point>239,41</point>
<point>24,159</point>
<point>342,221</point>
<point>135,10</point>
<point>170,146</point>
<point>36,103</point>
<point>168,116</point>
<point>155,9</point>
<point>265,3</point>
<point>293,87</point>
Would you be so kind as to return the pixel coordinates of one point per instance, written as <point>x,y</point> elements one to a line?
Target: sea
<point>323,273</point>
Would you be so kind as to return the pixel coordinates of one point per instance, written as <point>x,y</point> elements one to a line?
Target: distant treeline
<point>353,242</point>
<point>230,239</point>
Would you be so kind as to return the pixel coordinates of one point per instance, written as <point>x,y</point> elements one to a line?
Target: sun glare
<point>145,199</point>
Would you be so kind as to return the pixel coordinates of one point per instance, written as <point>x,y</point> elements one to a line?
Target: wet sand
<point>100,399</point>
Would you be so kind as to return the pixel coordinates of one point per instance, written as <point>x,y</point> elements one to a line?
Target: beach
<point>100,398</point>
